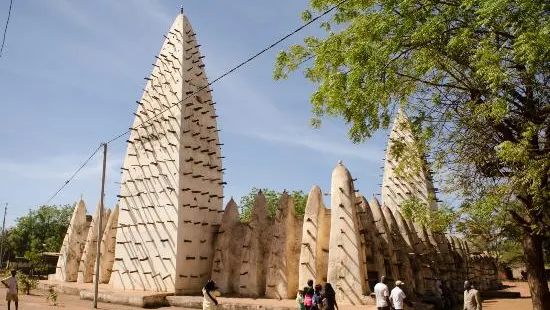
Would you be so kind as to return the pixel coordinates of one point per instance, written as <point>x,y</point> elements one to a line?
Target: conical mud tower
<point>171,189</point>
<point>315,240</point>
<point>228,247</point>
<point>73,245</point>
<point>108,247</point>
<point>86,267</point>
<point>346,268</point>
<point>399,186</point>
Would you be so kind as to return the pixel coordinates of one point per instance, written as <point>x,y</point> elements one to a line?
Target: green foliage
<point>510,252</point>
<point>52,295</point>
<point>487,224</point>
<point>33,257</point>
<point>300,200</point>
<point>41,230</point>
<point>484,221</point>
<point>473,77</point>
<point>26,283</point>
<point>472,74</point>
<point>247,202</point>
<point>439,220</point>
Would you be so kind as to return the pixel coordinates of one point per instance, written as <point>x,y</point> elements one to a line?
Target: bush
<point>26,283</point>
<point>52,295</point>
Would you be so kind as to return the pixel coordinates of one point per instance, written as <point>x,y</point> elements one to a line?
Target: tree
<point>473,75</point>
<point>42,230</point>
<point>487,223</point>
<point>440,220</point>
<point>247,202</point>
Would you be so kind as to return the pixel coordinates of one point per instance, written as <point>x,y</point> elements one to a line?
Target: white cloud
<point>58,168</point>
<point>321,144</point>
<point>277,123</point>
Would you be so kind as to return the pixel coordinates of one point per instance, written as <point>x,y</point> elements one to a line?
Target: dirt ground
<point>38,301</point>
<point>523,303</point>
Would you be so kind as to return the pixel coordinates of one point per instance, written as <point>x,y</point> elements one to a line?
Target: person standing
<point>329,300</point>
<point>382,294</point>
<point>308,294</point>
<point>447,295</point>
<point>300,300</point>
<point>209,293</point>
<point>317,298</point>
<point>472,301</point>
<point>11,294</point>
<point>397,296</point>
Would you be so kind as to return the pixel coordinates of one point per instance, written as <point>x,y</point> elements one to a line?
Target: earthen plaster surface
<point>346,268</point>
<point>108,244</point>
<point>284,255</point>
<point>172,188</point>
<point>315,240</point>
<point>88,258</point>
<point>73,245</point>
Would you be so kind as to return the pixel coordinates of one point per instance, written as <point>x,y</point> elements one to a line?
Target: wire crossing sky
<point>6,29</point>
<point>79,80</point>
<point>250,59</point>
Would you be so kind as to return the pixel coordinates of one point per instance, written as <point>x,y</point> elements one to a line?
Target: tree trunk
<point>534,261</point>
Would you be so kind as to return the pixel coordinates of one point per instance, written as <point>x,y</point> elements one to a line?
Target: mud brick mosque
<point>170,231</point>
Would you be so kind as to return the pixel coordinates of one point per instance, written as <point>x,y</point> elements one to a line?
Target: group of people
<point>396,299</point>
<point>310,298</point>
<point>385,300</point>
<point>320,297</point>
<point>317,298</point>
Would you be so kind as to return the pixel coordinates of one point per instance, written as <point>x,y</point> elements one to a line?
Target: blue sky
<point>72,71</point>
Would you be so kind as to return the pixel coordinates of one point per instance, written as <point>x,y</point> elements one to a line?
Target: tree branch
<point>521,221</point>
<point>431,83</point>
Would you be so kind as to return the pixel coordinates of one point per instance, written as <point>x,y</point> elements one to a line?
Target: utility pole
<point>99,224</point>
<point>2,240</point>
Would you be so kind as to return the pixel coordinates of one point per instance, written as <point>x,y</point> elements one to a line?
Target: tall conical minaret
<point>398,188</point>
<point>172,189</point>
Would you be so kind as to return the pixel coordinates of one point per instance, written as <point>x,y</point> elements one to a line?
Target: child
<point>209,293</point>
<point>300,300</point>
<point>308,294</point>
<point>11,294</point>
<point>317,302</point>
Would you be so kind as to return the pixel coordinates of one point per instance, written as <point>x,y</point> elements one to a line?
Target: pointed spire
<point>181,9</point>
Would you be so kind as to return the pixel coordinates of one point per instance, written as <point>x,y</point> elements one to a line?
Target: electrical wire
<point>6,28</point>
<point>251,58</point>
<point>74,174</point>
<point>272,45</point>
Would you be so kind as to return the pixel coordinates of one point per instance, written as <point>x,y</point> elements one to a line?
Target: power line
<point>74,174</point>
<point>272,45</point>
<point>6,28</point>
<point>202,88</point>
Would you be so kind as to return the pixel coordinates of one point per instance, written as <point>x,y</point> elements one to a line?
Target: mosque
<point>171,233</point>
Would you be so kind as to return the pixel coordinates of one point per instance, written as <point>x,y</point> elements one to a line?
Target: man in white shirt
<point>382,294</point>
<point>397,296</point>
<point>472,301</point>
<point>11,294</point>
